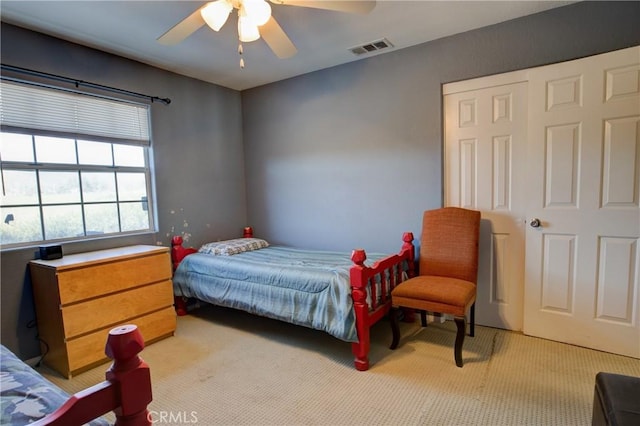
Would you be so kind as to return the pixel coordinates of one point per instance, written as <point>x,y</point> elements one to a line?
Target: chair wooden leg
<point>395,327</point>
<point>423,318</point>
<point>472,326</point>
<point>461,323</point>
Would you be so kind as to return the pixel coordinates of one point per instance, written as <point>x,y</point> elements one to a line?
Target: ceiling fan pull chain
<point>240,51</point>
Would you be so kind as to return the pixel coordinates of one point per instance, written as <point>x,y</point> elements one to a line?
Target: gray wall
<point>344,157</point>
<point>351,156</point>
<point>198,160</point>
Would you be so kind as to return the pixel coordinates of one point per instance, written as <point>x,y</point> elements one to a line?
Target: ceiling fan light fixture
<point>259,11</point>
<point>247,29</point>
<point>216,13</point>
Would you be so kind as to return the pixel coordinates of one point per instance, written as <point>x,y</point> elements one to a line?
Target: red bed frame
<point>387,271</point>
<point>126,390</point>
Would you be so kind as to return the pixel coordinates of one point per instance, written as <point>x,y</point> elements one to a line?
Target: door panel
<point>582,264</point>
<point>485,131</point>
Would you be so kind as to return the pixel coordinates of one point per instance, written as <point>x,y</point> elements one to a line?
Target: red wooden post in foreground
<point>127,391</point>
<point>131,373</point>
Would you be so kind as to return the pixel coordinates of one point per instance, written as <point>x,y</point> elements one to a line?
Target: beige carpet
<point>225,367</point>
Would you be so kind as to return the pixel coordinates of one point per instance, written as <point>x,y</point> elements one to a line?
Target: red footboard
<point>371,291</point>
<point>126,392</point>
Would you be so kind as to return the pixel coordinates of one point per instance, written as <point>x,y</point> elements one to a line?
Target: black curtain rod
<point>79,83</point>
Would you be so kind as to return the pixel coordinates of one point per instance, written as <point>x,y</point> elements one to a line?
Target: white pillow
<point>230,247</point>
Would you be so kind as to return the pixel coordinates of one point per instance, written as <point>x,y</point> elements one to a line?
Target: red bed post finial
<point>176,250</point>
<point>177,253</point>
<point>131,374</point>
<point>360,349</point>
<point>247,232</point>
<point>407,244</point>
<point>358,256</point>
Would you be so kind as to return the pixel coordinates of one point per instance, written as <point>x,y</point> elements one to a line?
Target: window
<point>68,183</point>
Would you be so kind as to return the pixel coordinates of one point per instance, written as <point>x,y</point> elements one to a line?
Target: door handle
<point>535,223</point>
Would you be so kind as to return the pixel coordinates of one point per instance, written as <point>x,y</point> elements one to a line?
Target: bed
<point>343,294</point>
<point>27,397</point>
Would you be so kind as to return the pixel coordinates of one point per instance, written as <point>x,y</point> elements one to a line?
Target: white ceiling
<point>323,38</point>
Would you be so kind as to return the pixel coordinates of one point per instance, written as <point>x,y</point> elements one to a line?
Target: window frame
<point>147,170</point>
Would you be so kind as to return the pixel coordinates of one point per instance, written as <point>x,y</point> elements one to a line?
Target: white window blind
<point>34,107</point>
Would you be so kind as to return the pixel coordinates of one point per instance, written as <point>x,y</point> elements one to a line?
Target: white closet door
<point>485,148</point>
<point>583,186</point>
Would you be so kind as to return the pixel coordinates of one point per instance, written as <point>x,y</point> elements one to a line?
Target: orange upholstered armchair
<point>447,272</point>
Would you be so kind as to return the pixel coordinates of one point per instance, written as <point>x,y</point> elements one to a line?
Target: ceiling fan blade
<point>361,7</point>
<point>277,39</point>
<point>182,29</point>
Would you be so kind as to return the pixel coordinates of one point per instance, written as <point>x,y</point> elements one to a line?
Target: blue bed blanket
<point>304,287</point>
<point>25,395</point>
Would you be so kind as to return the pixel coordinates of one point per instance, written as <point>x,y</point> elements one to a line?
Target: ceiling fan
<point>255,21</point>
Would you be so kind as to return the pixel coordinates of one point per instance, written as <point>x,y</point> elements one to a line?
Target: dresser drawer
<point>93,281</point>
<point>88,351</point>
<point>111,310</point>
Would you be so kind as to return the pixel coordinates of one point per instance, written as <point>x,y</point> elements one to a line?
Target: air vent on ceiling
<point>374,46</point>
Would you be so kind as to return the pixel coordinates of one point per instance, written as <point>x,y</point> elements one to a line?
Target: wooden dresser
<point>80,297</point>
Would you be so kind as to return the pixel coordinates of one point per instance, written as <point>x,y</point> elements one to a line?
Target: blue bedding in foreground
<point>25,394</point>
<point>304,287</point>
